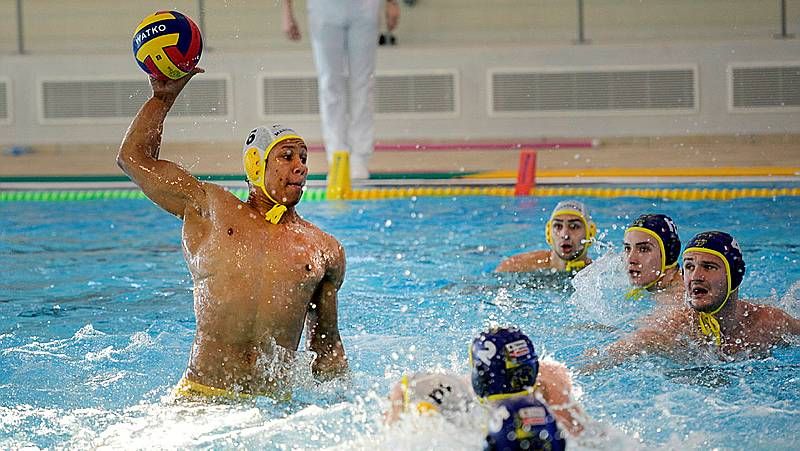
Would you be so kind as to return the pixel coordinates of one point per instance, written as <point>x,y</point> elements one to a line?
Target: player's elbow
<point>127,162</point>
<point>123,159</point>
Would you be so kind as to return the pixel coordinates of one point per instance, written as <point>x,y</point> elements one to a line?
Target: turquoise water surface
<point>96,323</point>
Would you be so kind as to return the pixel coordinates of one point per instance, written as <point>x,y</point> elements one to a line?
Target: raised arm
<point>167,184</point>
<point>323,323</point>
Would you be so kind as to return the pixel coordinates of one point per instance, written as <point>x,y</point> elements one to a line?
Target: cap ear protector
<point>254,165</point>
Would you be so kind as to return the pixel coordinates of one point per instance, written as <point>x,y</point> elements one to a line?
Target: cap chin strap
<point>709,324</point>
<point>502,396</point>
<point>575,264</point>
<point>275,213</point>
<point>578,263</point>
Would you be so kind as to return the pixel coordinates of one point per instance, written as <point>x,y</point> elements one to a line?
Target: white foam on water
<point>51,348</point>
<point>790,302</point>
<point>414,432</point>
<point>600,290</point>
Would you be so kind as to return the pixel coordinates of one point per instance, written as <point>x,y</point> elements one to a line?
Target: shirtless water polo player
<point>260,271</point>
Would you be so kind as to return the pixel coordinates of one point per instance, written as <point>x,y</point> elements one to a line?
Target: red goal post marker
<point>526,173</point>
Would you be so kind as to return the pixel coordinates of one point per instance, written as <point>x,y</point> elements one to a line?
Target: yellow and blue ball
<point>167,45</point>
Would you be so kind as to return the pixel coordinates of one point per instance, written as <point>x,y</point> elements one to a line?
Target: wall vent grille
<point>405,94</point>
<point>765,87</point>
<point>66,100</point>
<point>5,108</point>
<point>618,90</point>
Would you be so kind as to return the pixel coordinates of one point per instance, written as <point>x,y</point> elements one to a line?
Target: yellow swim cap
<point>256,149</point>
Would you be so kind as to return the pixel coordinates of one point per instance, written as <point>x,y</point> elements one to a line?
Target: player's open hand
<point>168,90</point>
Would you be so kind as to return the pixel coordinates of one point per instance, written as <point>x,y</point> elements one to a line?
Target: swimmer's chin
<point>569,256</point>
<point>700,303</point>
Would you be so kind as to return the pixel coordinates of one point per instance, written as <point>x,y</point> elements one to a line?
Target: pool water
<point>96,323</point>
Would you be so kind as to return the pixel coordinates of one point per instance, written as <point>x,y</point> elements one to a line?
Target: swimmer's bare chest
<point>253,280</point>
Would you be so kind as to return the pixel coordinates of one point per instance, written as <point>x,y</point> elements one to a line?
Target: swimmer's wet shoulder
<point>528,261</point>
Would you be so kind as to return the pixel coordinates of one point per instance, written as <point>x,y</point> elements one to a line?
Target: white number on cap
<point>671,225</point>
<point>485,355</point>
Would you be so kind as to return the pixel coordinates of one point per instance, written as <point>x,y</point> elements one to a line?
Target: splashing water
<point>96,371</point>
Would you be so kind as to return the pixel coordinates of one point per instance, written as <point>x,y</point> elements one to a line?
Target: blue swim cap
<point>665,232</point>
<point>503,363</point>
<point>523,423</point>
<point>725,247</point>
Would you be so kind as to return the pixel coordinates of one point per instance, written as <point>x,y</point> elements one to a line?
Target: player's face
<point>568,233</point>
<point>705,279</point>
<point>287,171</point>
<point>642,257</point>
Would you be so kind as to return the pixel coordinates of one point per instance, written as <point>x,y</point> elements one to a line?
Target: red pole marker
<point>526,173</point>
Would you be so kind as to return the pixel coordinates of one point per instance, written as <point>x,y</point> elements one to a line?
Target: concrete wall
<point>470,37</point>
<point>57,26</point>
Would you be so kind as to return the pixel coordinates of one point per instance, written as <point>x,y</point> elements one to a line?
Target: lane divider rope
<point>319,194</point>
